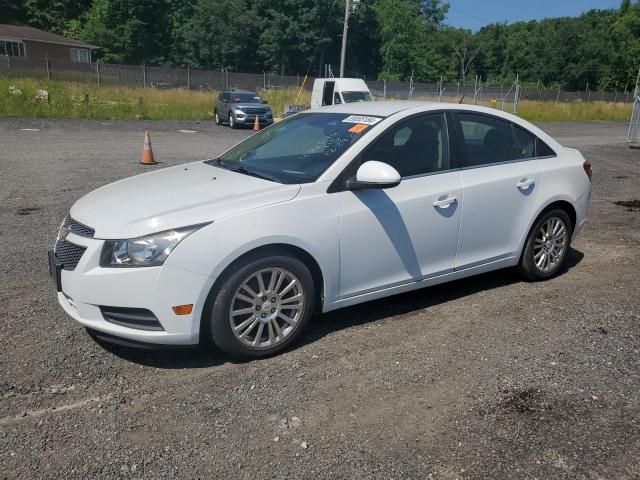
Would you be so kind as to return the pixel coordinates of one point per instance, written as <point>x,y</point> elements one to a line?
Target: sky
<point>474,14</point>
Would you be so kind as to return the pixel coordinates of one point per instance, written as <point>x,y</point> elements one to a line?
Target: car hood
<point>174,197</point>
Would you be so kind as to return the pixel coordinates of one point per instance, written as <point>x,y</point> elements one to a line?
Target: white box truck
<point>333,91</point>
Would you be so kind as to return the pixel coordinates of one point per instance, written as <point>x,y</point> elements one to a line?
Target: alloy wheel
<point>267,308</point>
<point>550,245</point>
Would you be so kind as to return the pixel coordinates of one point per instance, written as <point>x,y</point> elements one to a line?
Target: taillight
<point>587,169</point>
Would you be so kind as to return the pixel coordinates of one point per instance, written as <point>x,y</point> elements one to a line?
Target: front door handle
<point>524,184</point>
<point>444,203</point>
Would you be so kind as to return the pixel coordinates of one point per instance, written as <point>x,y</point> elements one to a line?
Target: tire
<point>545,253</point>
<point>232,121</point>
<point>216,117</point>
<point>260,312</point>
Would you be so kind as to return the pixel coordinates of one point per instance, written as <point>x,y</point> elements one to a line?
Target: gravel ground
<point>488,377</point>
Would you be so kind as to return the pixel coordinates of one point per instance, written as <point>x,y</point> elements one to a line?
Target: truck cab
<point>334,91</point>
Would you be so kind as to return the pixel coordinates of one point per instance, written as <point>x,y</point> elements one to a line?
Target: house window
<point>11,47</point>
<point>80,55</point>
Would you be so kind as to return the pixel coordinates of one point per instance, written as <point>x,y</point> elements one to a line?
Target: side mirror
<point>373,174</point>
<point>266,102</point>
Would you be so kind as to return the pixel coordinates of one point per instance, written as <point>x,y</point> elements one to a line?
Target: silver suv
<point>241,107</point>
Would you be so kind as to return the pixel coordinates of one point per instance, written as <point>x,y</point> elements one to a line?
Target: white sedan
<point>328,208</point>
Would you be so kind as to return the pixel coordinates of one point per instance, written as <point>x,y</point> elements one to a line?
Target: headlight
<point>148,251</point>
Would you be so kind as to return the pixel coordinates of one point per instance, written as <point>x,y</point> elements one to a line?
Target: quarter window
<point>415,147</point>
<point>490,140</point>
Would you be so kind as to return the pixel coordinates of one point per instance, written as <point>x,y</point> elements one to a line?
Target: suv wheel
<point>232,120</point>
<point>216,117</point>
<point>262,307</point>
<point>546,248</point>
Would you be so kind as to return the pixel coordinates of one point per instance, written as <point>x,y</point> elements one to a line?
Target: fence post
<point>558,96</point>
<point>98,71</point>
<point>8,63</point>
<point>46,61</point>
<point>144,75</point>
<point>384,89</point>
<point>188,78</point>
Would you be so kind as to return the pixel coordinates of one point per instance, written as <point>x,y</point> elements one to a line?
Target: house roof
<point>37,35</point>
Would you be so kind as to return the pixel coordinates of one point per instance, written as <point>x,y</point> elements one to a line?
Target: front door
<point>406,233</point>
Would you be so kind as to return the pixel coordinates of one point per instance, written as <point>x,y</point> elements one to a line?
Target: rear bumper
<point>581,207</point>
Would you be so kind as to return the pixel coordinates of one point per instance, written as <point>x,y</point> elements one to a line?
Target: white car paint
<point>368,244</point>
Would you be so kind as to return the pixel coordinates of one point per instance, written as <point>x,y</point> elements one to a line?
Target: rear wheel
<point>547,246</point>
<point>262,307</point>
<point>217,118</point>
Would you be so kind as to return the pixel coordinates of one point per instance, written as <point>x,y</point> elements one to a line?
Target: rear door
<point>501,179</point>
<point>327,93</point>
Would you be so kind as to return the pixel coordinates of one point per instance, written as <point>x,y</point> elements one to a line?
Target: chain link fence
<point>143,76</point>
<point>504,97</point>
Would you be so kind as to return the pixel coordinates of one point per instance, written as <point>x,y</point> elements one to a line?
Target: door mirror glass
<point>374,174</point>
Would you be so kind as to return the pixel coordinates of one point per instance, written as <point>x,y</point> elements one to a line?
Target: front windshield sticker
<point>362,119</point>
<point>358,128</point>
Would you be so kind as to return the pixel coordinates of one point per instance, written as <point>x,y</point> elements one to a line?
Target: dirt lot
<point>489,377</point>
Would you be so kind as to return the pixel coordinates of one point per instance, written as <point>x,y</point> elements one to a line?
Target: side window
<point>415,147</point>
<point>492,140</point>
<point>336,99</point>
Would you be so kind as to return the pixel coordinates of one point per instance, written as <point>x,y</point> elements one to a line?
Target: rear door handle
<point>445,202</point>
<point>523,184</point>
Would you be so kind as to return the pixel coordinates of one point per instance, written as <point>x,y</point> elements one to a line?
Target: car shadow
<point>324,324</point>
<point>420,299</point>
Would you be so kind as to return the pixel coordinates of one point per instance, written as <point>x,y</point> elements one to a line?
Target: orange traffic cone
<point>147,153</point>
<point>256,125</point>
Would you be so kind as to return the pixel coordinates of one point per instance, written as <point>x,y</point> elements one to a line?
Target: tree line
<point>388,39</point>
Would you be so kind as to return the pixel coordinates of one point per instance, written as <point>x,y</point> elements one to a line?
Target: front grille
<point>68,254</point>
<point>78,228</point>
<point>138,318</point>
<point>254,111</point>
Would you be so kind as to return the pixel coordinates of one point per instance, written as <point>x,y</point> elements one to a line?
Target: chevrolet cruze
<point>328,208</point>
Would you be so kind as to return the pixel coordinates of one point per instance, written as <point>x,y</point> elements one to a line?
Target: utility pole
<point>343,52</point>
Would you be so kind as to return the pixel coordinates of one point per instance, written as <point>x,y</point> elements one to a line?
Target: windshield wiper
<point>253,173</point>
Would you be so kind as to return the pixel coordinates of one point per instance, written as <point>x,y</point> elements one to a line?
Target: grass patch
<point>549,111</point>
<point>69,99</point>
<point>84,100</point>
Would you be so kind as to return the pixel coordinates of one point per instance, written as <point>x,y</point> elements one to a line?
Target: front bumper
<point>250,118</point>
<point>85,289</point>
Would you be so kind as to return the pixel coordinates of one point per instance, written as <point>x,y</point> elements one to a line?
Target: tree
<point>406,28</point>
<point>128,31</point>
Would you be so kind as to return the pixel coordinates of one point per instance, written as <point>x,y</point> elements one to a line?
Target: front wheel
<point>547,246</point>
<point>232,121</point>
<point>262,307</point>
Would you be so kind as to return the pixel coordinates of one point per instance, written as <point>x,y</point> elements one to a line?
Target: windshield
<point>245,98</point>
<point>298,149</point>
<point>352,97</point>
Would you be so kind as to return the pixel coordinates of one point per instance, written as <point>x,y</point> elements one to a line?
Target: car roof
<point>386,108</point>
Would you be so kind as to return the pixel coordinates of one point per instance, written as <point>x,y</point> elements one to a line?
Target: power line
<point>484,20</point>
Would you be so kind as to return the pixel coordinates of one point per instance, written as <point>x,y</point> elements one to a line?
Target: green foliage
<point>390,39</point>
